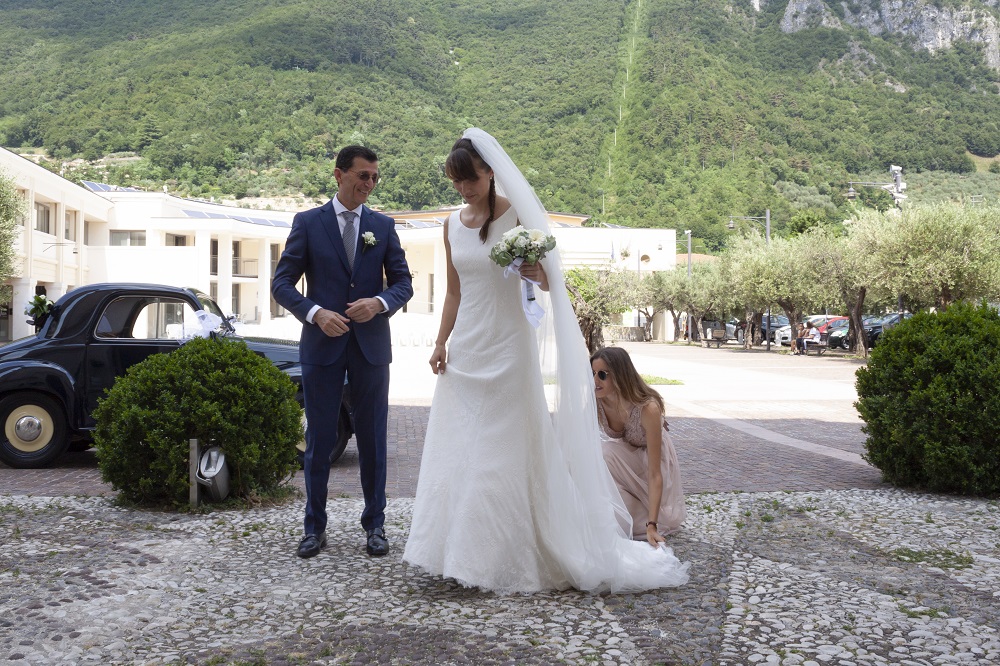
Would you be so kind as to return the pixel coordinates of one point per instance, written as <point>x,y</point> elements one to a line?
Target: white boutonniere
<point>369,240</point>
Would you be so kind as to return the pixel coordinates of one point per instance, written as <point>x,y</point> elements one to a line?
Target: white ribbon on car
<point>202,327</point>
<point>533,312</point>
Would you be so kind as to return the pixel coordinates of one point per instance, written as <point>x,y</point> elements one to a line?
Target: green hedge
<point>217,391</point>
<point>930,400</point>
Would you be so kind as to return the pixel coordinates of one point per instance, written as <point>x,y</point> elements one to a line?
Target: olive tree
<point>12,208</point>
<point>668,292</point>
<point>933,255</point>
<point>597,296</point>
<point>842,263</point>
<point>708,292</point>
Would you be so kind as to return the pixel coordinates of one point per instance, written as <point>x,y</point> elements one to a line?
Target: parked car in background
<point>769,329</point>
<point>830,321</point>
<point>50,382</point>
<point>839,337</point>
<point>836,333</point>
<point>874,330</point>
<point>783,335</point>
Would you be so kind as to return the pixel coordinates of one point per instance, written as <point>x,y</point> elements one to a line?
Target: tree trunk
<point>748,328</point>
<point>856,331</point>
<point>676,316</point>
<point>647,326</point>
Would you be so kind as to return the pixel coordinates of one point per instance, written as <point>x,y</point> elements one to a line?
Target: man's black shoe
<point>311,544</point>
<point>377,545</point>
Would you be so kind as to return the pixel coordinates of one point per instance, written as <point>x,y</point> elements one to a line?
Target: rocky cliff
<point>934,25</point>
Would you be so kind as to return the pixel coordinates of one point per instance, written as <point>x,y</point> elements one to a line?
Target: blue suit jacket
<point>315,249</point>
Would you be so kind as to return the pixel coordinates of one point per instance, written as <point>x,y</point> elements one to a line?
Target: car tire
<point>33,430</point>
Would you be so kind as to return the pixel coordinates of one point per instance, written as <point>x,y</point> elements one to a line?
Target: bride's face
<point>475,190</point>
<point>603,386</point>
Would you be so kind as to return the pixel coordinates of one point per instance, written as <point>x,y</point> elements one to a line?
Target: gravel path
<point>830,577</point>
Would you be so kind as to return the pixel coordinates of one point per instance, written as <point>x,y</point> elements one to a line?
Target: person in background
<point>799,344</point>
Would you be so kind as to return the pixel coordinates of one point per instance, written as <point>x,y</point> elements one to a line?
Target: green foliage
<point>930,400</point>
<point>12,208</point>
<point>597,296</point>
<point>216,391</point>
<point>932,255</point>
<point>665,113</point>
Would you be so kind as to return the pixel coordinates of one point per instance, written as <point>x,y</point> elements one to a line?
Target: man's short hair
<point>345,158</point>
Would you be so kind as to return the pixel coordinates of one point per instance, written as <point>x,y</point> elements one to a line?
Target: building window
<point>128,238</point>
<point>70,225</point>
<point>237,310</point>
<point>43,218</point>
<point>173,240</point>
<point>213,267</point>
<point>86,232</point>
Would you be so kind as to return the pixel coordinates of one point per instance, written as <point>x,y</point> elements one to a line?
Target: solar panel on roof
<point>260,220</point>
<point>195,213</point>
<point>241,219</point>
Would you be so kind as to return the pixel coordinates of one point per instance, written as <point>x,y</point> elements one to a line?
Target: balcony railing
<point>244,267</point>
<point>241,267</point>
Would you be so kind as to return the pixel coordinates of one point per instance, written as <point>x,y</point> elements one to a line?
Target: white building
<point>74,236</point>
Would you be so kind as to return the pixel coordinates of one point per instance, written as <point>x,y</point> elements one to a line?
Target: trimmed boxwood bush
<point>217,391</point>
<point>930,400</point>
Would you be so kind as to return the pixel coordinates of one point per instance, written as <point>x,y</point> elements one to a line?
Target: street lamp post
<point>767,237</point>
<point>687,232</point>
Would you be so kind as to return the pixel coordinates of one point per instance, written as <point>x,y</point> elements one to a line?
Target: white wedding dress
<point>496,504</point>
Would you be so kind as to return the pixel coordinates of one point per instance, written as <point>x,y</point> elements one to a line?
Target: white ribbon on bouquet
<point>533,312</point>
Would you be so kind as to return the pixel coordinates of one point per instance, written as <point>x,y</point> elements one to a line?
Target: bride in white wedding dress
<point>511,498</point>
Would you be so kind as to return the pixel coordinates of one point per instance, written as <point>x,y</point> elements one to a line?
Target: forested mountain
<point>670,113</point>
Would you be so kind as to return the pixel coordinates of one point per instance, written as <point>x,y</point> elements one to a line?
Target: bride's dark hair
<point>461,165</point>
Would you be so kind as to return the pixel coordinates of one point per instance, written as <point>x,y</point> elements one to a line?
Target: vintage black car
<point>50,382</point>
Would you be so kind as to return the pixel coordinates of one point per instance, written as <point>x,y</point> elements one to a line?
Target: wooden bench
<point>718,337</point>
<point>820,346</point>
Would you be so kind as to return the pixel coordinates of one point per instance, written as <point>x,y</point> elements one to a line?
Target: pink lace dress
<point>627,458</point>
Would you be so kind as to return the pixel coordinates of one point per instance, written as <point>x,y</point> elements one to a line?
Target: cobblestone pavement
<point>799,556</point>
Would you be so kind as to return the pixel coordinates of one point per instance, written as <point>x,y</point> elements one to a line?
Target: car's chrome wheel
<point>34,430</point>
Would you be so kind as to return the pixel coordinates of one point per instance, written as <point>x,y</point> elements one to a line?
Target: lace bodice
<point>634,433</point>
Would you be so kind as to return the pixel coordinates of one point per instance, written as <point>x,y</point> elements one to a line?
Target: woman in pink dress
<point>638,450</point>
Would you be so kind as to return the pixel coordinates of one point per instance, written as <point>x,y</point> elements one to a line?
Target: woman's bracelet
<point>653,523</point>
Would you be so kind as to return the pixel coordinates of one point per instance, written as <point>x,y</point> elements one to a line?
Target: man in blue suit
<point>356,278</point>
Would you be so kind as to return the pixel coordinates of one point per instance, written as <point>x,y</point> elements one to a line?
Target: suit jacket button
<point>352,285</point>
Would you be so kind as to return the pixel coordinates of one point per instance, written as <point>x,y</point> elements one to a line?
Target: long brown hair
<point>625,378</point>
<point>461,165</point>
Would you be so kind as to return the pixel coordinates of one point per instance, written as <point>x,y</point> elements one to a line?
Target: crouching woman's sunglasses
<point>601,374</point>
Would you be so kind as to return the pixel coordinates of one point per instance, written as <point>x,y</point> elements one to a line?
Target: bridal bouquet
<point>523,246</point>
<point>528,246</point>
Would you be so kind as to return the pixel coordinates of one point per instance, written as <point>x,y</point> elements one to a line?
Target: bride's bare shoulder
<point>502,206</point>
